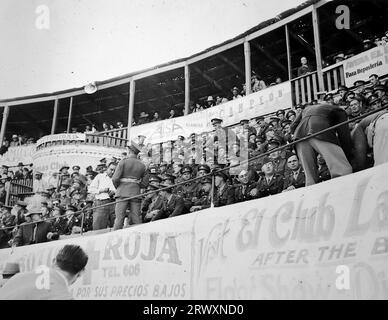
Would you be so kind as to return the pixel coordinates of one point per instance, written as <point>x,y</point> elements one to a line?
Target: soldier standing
<point>127,178</point>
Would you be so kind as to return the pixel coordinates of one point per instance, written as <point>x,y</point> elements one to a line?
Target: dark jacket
<point>319,117</point>
<point>299,182</point>
<point>25,233</point>
<point>273,187</point>
<point>225,197</point>
<point>128,168</point>
<point>171,208</point>
<point>242,192</point>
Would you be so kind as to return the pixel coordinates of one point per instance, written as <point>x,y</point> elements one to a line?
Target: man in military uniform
<point>270,183</point>
<point>151,203</point>
<point>126,179</point>
<point>173,205</point>
<point>295,178</point>
<point>245,189</point>
<point>203,199</point>
<point>64,175</point>
<point>74,220</point>
<point>163,169</point>
<point>76,169</point>
<point>154,180</point>
<point>278,158</point>
<point>224,193</point>
<point>59,224</point>
<point>187,190</point>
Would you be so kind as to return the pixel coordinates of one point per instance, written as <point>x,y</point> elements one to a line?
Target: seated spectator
<point>295,177</point>
<point>270,183</point>
<point>119,125</point>
<point>379,90</point>
<point>224,193</point>
<point>203,198</point>
<point>172,114</point>
<point>278,80</point>
<point>4,147</point>
<point>143,118</point>
<point>339,57</point>
<point>278,158</point>
<point>291,115</point>
<point>235,93</point>
<point>368,44</point>
<point>30,141</point>
<point>15,141</point>
<point>155,117</point>
<point>245,189</point>
<point>210,102</point>
<point>257,84</point>
<point>19,172</point>
<point>323,170</point>
<point>37,232</point>
<point>374,80</point>
<point>173,205</point>
<point>356,108</point>
<point>305,67</point>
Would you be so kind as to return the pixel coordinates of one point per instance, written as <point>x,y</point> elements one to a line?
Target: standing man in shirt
<point>127,178</point>
<point>103,189</point>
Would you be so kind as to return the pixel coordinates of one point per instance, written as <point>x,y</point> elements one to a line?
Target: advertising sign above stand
<point>256,104</point>
<point>361,66</point>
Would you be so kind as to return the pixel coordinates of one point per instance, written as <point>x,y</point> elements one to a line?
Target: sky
<point>53,45</point>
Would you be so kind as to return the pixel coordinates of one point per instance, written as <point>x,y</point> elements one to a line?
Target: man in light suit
<point>50,284</point>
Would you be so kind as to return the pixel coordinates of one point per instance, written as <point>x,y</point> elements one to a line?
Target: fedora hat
<point>210,98</point>
<point>143,115</point>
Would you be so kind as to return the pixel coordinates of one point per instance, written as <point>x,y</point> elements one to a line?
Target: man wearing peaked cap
<point>380,90</point>
<point>203,169</point>
<point>173,203</point>
<point>280,114</point>
<point>216,121</point>
<point>203,198</point>
<point>224,193</point>
<point>127,179</point>
<point>188,190</point>
<point>285,122</point>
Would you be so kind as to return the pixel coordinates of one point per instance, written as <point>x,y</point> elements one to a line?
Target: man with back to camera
<point>126,179</point>
<point>68,266</point>
<point>334,145</point>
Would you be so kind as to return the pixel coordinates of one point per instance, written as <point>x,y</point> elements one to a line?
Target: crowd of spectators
<point>67,197</point>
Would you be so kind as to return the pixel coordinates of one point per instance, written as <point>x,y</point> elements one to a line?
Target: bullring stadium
<point>243,194</point>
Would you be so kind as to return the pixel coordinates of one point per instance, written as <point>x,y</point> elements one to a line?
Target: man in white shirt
<point>39,185</point>
<point>103,189</point>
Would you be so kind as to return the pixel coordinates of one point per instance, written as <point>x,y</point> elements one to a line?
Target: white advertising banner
<point>361,66</point>
<point>144,263</point>
<point>256,104</point>
<point>327,241</point>
<point>62,137</point>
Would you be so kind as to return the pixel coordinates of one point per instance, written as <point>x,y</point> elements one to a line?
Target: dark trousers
<point>120,209</point>
<point>102,216</point>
